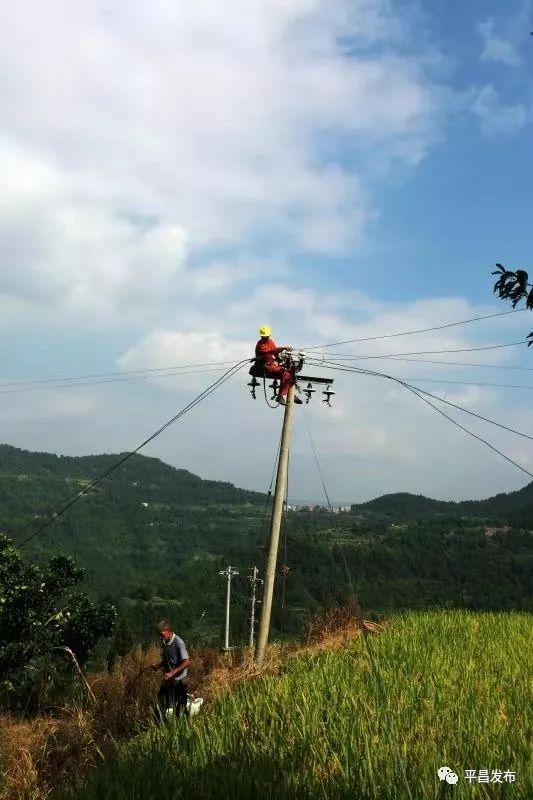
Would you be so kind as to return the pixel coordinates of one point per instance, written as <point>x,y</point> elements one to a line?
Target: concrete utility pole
<point>254,580</point>
<point>270,575</point>
<point>228,574</point>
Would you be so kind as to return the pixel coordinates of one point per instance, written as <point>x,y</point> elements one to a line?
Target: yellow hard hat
<point>265,330</point>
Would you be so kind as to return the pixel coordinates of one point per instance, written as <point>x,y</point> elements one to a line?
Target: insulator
<point>253,384</point>
<point>329,393</point>
<point>308,391</point>
<point>274,386</point>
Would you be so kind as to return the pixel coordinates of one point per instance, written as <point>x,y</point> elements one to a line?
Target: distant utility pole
<point>270,574</point>
<point>254,580</point>
<point>228,574</point>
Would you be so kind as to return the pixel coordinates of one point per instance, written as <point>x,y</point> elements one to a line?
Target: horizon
<point>291,500</point>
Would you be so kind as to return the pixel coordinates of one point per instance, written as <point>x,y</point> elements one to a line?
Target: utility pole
<point>228,574</point>
<point>254,580</point>
<point>270,575</point>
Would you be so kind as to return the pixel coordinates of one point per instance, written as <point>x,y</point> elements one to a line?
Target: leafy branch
<point>513,285</point>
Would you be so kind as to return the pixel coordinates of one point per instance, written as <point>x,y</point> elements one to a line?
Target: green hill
<point>153,539</point>
<point>511,506</point>
<point>405,504</point>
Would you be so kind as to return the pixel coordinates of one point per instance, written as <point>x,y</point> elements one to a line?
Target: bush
<point>46,628</point>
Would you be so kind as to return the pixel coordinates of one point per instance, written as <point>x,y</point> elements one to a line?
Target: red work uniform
<point>265,349</point>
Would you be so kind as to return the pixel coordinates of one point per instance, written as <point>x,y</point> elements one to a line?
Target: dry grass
<point>340,622</point>
<point>40,753</point>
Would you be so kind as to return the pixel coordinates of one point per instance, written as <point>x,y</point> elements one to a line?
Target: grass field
<point>373,720</point>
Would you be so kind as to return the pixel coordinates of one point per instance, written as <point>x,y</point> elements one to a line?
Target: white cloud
<point>162,349</point>
<point>496,47</point>
<point>136,134</point>
<point>61,245</point>
<point>378,437</point>
<point>496,116</point>
<point>37,407</point>
<point>161,165</point>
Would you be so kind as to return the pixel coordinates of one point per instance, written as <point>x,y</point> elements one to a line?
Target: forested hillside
<point>153,539</point>
<point>513,507</point>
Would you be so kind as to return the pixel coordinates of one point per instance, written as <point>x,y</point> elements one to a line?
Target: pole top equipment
<point>294,362</point>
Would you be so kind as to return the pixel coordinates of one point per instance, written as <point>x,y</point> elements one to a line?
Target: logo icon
<point>446,774</point>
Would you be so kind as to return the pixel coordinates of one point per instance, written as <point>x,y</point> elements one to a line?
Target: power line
<point>471,413</point>
<point>112,374</point>
<point>362,357</point>
<point>469,383</point>
<point>471,433</point>
<point>69,502</point>
<point>90,376</point>
<point>420,393</point>
<point>420,330</point>
<point>326,494</point>
<point>360,621</point>
<point>41,384</point>
<point>403,382</point>
<point>73,385</point>
<point>458,363</point>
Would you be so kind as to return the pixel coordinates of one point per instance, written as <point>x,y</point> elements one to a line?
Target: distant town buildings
<point>490,532</point>
<point>317,508</point>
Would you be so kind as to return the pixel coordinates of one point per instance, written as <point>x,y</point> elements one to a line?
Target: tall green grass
<point>372,721</point>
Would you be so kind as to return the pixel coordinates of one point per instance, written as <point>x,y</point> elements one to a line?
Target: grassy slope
<point>371,721</point>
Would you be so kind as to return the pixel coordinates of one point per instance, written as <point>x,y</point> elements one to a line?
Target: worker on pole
<point>268,364</point>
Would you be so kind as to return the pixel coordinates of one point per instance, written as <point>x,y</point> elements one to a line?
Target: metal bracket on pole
<point>309,391</point>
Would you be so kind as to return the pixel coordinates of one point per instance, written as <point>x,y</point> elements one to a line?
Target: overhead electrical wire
<point>122,373</point>
<point>69,502</point>
<point>468,383</point>
<point>458,363</point>
<point>41,384</point>
<point>330,507</point>
<point>420,330</point>
<point>117,373</point>
<point>403,382</point>
<point>364,357</point>
<point>44,387</point>
<point>423,395</point>
<point>469,432</point>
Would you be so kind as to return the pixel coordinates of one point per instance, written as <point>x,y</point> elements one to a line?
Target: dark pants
<point>173,694</point>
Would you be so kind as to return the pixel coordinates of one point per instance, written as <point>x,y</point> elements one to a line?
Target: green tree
<point>42,618</point>
<point>122,642</point>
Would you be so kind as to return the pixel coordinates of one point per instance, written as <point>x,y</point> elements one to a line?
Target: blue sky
<point>175,176</point>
